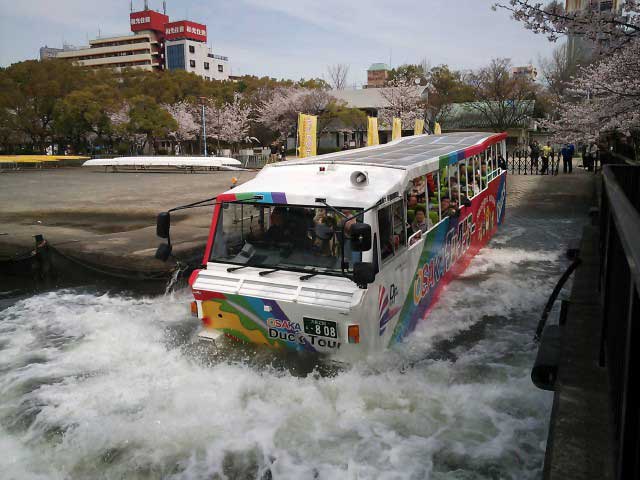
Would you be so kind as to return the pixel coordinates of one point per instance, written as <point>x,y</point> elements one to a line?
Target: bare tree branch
<point>338,74</point>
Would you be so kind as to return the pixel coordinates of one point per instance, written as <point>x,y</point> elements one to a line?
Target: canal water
<point>99,384</point>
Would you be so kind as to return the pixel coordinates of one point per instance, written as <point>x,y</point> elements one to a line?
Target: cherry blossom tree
<point>280,112</point>
<point>119,116</point>
<point>184,115</point>
<point>404,101</point>
<point>604,97</point>
<point>229,122</point>
<point>609,30</point>
<point>609,99</point>
<point>236,121</point>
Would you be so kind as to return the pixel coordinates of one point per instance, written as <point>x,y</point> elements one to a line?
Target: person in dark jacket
<point>535,154</point>
<point>567,159</point>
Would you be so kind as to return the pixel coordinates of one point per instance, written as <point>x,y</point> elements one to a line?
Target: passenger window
<point>392,228</point>
<point>484,173</point>
<point>386,233</point>
<point>399,226</point>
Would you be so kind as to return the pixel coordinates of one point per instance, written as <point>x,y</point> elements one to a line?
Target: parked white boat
<point>153,163</point>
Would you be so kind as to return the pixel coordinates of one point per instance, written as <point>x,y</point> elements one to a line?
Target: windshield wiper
<point>235,269</point>
<point>313,273</point>
<point>268,272</point>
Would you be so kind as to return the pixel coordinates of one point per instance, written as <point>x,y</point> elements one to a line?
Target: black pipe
<point>554,296</point>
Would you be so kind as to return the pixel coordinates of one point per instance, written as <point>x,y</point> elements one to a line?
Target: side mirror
<point>360,237</point>
<point>163,225</point>
<point>364,274</point>
<point>164,252</point>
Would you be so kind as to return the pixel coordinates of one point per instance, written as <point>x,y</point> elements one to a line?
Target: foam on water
<point>107,386</point>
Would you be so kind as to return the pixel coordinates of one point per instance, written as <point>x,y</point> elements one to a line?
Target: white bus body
<point>291,277</point>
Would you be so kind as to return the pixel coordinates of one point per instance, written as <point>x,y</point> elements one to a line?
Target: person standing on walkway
<point>572,153</point>
<point>546,153</point>
<point>592,153</point>
<point>535,153</point>
<point>567,159</point>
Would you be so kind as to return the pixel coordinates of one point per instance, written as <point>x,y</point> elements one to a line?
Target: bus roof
<point>388,167</point>
<point>408,153</point>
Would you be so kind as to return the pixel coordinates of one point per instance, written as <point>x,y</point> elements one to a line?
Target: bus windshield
<point>286,237</point>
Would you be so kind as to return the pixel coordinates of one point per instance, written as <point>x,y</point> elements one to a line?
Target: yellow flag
<point>372,133</point>
<point>307,133</point>
<point>396,133</point>
<point>437,130</point>
<point>419,130</point>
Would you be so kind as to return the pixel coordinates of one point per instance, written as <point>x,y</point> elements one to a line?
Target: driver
<point>279,229</point>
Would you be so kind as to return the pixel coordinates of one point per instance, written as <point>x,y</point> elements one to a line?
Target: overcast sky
<point>292,38</point>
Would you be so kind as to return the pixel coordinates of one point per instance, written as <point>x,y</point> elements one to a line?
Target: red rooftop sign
<point>186,29</point>
<point>148,20</point>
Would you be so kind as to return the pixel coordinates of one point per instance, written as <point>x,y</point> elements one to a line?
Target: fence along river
<point>100,385</point>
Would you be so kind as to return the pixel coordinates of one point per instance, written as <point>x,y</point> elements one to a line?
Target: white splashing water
<point>105,386</point>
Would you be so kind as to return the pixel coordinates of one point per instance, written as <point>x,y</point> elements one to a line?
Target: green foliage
<point>85,111</point>
<point>314,83</point>
<point>408,74</point>
<point>53,101</point>
<point>447,87</point>
<point>146,117</point>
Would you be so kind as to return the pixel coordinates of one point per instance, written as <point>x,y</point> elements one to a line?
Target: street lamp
<point>204,125</point>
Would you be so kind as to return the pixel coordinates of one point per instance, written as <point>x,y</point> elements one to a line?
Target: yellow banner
<point>437,130</point>
<point>372,133</point>
<point>419,130</point>
<point>396,133</point>
<point>307,134</point>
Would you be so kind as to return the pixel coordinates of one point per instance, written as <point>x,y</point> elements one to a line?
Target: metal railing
<point>620,289</point>
<point>521,163</point>
<point>252,161</point>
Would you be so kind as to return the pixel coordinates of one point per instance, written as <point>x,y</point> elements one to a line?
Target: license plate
<point>320,328</point>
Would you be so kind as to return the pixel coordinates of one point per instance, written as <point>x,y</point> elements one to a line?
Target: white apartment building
<point>141,50</point>
<point>155,44</point>
<point>196,57</point>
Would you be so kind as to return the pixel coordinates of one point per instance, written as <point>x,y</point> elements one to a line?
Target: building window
<point>192,63</point>
<point>192,49</point>
<point>220,68</point>
<point>175,57</point>
<point>206,65</point>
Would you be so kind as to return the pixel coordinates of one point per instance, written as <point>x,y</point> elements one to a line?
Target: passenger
<point>421,222</point>
<point>483,174</point>
<point>412,202</point>
<point>431,184</point>
<point>279,230</point>
<point>324,229</point>
<point>462,174</point>
<point>502,163</point>
<point>349,255</point>
<point>447,208</point>
<point>418,186</point>
<point>386,233</point>
<point>454,199</point>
